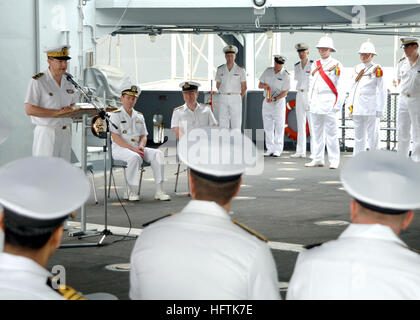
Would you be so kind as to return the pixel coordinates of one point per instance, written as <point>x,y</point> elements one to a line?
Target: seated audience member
<point>368,260</point>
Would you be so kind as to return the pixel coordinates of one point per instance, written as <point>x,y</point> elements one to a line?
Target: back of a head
<point>216,157</point>
<point>28,233</point>
<point>38,193</point>
<point>383,182</point>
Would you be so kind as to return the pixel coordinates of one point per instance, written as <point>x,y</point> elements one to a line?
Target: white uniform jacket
<point>278,82</point>
<point>367,261</point>
<point>368,94</point>
<point>186,119</point>
<point>44,92</point>
<point>200,254</point>
<point>230,81</point>
<point>302,75</point>
<point>321,98</point>
<point>22,278</point>
<point>129,128</point>
<point>410,78</point>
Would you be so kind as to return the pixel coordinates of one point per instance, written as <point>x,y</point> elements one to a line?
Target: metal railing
<point>387,130</point>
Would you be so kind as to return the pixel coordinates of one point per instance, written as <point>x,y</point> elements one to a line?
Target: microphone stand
<point>102,113</point>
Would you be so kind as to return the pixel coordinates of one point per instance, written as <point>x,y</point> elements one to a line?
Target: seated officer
<point>369,260</point>
<point>129,144</point>
<point>201,253</point>
<point>192,114</point>
<point>38,194</point>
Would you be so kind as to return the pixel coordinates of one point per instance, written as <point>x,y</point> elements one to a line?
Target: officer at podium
<point>48,94</point>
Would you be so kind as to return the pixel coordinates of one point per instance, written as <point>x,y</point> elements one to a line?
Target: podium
<point>80,113</point>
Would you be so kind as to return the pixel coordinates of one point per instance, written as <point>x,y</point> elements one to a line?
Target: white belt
<point>59,126</point>
<point>230,93</point>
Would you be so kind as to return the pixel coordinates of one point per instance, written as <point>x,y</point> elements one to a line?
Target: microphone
<point>70,78</point>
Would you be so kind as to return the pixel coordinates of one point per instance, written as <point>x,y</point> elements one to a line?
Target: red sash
<point>327,80</point>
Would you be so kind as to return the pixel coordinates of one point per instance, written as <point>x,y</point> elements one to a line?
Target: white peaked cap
<point>230,49</point>
<point>383,179</point>
<point>367,47</point>
<point>326,42</point>
<point>217,152</point>
<point>43,188</point>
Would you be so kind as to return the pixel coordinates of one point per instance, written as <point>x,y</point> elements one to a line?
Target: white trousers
<point>52,142</point>
<point>408,128</point>
<point>325,129</point>
<point>274,118</point>
<point>154,156</point>
<point>301,116</point>
<point>230,111</point>
<point>366,130</point>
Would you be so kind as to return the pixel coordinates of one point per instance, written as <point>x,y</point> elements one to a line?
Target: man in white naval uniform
<point>408,117</point>
<point>201,253</point>
<point>48,94</point>
<point>325,100</point>
<point>192,114</point>
<point>129,144</point>
<point>302,72</point>
<point>276,84</point>
<point>231,84</point>
<point>367,99</point>
<point>38,194</point>
<point>368,261</point>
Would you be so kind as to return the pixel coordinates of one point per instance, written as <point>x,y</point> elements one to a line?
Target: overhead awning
<point>239,16</point>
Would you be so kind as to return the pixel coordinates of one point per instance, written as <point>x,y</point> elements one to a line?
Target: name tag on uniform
<point>139,121</point>
<point>279,79</point>
<point>70,91</point>
<point>123,121</point>
<point>236,74</point>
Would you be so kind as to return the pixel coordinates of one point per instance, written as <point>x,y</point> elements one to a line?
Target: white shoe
<point>311,156</point>
<point>333,165</point>
<point>268,154</point>
<point>314,163</point>
<point>160,195</point>
<point>298,155</point>
<point>276,154</point>
<point>133,196</point>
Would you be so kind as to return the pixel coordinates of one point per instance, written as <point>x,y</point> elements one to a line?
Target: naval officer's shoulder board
<point>66,292</point>
<point>37,76</point>
<point>247,229</point>
<point>160,218</point>
<point>178,108</point>
<point>297,63</point>
<point>116,111</point>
